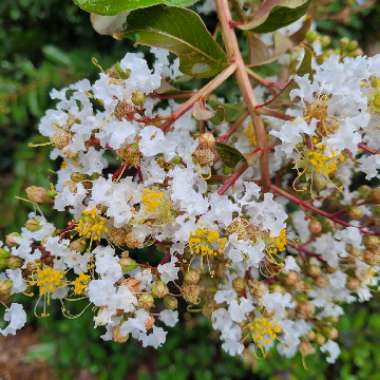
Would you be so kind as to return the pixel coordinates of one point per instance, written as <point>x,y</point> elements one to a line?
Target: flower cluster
<point>134,176</point>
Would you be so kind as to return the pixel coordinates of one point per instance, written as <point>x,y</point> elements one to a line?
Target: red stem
<point>310,207</point>
<point>203,92</point>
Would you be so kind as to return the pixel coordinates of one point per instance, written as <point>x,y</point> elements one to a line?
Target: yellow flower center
<point>81,283</point>
<point>49,280</point>
<point>152,200</point>
<point>91,225</point>
<point>374,101</point>
<point>323,162</point>
<point>263,331</point>
<point>206,242</point>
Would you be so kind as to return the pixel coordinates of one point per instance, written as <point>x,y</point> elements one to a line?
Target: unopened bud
<point>306,310</point>
<point>207,140</point>
<point>117,336</point>
<point>375,195</point>
<point>37,194</point>
<point>321,282</point>
<point>353,284</point>
<point>353,45</point>
<point>192,277</point>
<point>372,241</point>
<point>4,254</point>
<point>138,98</point>
<point>127,264</point>
<point>292,278</point>
<point>355,213</point>
<point>364,192</point>
<point>320,339</point>
<point>315,227</point>
<point>78,177</point>
<point>159,289</point>
<point>191,293</point>
<point>15,262</point>
<point>306,349</point>
<point>146,301</point>
<point>170,302</point>
<point>12,239</point>
<point>78,245</point>
<point>311,36</point>
<point>5,290</point>
<point>239,284</point>
<point>32,225</point>
<point>314,271</point>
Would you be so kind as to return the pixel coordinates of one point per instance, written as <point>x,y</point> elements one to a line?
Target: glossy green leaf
<point>229,155</point>
<point>275,14</point>
<point>112,7</point>
<point>182,32</point>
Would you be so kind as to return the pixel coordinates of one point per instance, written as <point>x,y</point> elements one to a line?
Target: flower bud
<point>78,177</point>
<point>375,195</point>
<point>78,245</point>
<point>146,300</point>
<point>239,284</point>
<point>15,262</point>
<point>292,278</point>
<point>192,277</point>
<point>138,98</point>
<point>320,339</point>
<point>32,225</point>
<point>306,348</point>
<point>364,192</point>
<point>12,239</point>
<point>372,241</point>
<point>4,254</point>
<point>37,194</point>
<point>311,36</point>
<point>315,227</point>
<point>170,302</point>
<point>314,270</point>
<point>5,290</point>
<point>332,333</point>
<point>127,264</point>
<point>353,284</point>
<point>159,289</point>
<point>207,140</point>
<point>321,282</point>
<point>306,310</point>
<point>3,264</point>
<point>355,213</point>
<point>353,45</point>
<point>116,335</point>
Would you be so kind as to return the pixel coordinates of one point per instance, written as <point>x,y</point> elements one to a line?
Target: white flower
<point>169,317</point>
<point>332,349</point>
<point>16,317</point>
<point>169,271</point>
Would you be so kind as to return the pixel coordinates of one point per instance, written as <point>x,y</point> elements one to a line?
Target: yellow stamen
<point>91,225</point>
<point>206,242</point>
<point>49,280</point>
<point>264,331</point>
<point>81,283</point>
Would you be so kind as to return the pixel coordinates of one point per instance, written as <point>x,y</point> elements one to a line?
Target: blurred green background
<point>50,43</point>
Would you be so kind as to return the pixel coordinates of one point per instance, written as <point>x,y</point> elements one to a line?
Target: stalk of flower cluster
<point>202,93</point>
<point>234,54</point>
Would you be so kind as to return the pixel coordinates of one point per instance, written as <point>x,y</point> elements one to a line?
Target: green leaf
<point>112,7</point>
<point>229,155</point>
<point>182,32</point>
<point>275,14</point>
